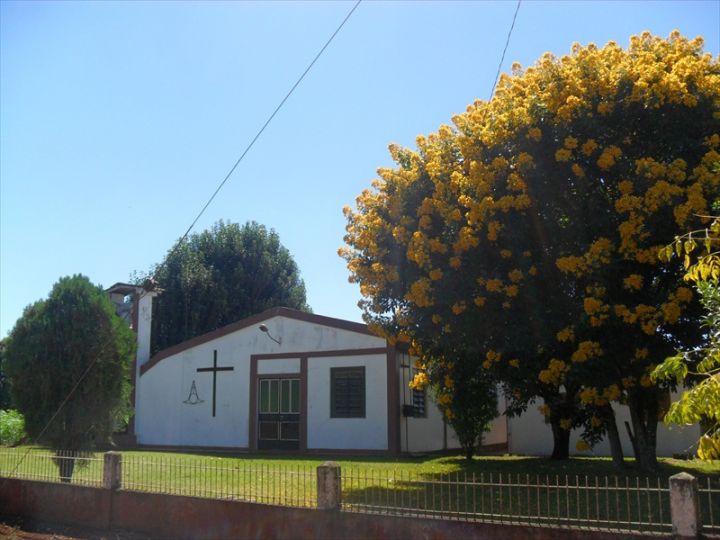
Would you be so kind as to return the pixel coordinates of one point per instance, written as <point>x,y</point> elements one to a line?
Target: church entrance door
<point>278,414</point>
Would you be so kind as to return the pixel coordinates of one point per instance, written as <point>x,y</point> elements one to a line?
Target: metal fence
<point>82,468</point>
<point>608,503</point>
<point>709,498</point>
<point>234,479</point>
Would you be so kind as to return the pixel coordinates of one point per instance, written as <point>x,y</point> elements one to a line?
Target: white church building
<point>286,380</point>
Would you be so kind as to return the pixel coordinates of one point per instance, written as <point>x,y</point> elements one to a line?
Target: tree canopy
<point>219,276</point>
<point>529,232</point>
<point>73,335</point>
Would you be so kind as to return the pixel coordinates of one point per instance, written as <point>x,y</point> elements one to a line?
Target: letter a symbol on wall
<point>193,398</point>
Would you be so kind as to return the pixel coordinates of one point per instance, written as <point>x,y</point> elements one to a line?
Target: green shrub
<point>12,427</point>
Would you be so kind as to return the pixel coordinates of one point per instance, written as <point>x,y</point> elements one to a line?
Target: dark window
<point>418,397</point>
<point>347,392</point>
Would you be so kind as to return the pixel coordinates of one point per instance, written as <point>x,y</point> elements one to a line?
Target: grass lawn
<point>575,492</point>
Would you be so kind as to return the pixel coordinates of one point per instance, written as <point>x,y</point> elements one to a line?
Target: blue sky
<point>118,120</point>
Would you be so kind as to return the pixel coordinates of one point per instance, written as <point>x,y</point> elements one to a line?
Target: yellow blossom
<point>586,350</point>
<point>588,395</point>
<point>570,143</point>
<point>633,282</point>
<point>566,334</point>
<point>563,154</point>
<point>493,285</point>
<point>420,381</point>
<point>582,446</point>
<point>515,275</point>
<point>535,134</point>
<point>589,147</point>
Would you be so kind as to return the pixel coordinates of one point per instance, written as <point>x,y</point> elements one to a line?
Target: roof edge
<point>290,313</point>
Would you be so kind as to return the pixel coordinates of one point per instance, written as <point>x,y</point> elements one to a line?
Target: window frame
<point>344,372</point>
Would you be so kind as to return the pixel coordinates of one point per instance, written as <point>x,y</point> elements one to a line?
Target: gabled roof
<point>123,288</point>
<point>253,320</point>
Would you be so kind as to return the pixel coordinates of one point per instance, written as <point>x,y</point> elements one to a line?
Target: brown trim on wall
<point>255,319</point>
<point>393,403</point>
<point>182,448</point>
<point>303,402</point>
<point>252,420</point>
<point>345,452</point>
<point>255,377</point>
<point>320,354</point>
<point>392,382</point>
<point>292,375</point>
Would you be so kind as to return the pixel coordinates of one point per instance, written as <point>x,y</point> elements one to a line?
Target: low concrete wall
<point>58,503</point>
<point>169,516</point>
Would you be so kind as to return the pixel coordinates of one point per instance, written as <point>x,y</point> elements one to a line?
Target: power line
<point>257,135</point>
<point>210,200</point>
<point>507,42</point>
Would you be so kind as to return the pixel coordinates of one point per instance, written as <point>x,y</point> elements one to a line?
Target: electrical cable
<point>507,42</point>
<point>207,204</point>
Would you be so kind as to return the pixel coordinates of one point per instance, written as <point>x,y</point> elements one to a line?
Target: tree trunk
<point>66,464</point>
<point>611,429</point>
<point>643,407</point>
<point>561,441</point>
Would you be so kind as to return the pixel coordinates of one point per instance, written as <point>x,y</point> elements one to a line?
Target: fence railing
<point>83,468</point>
<point>621,504</point>
<point>286,485</point>
<point>709,499</point>
<point>608,503</point>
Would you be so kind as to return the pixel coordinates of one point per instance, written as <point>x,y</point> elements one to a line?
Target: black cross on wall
<point>214,370</point>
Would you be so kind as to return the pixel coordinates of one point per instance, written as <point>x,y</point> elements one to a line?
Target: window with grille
<point>418,402</point>
<point>347,392</point>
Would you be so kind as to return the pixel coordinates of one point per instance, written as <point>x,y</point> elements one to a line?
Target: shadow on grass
<point>478,492</point>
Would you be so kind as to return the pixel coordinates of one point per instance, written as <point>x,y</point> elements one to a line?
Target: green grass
<point>575,492</point>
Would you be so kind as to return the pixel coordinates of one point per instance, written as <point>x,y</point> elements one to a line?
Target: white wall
<point>369,433</point>
<point>529,434</point>
<point>163,419</point>
<point>428,434</point>
<point>421,434</point>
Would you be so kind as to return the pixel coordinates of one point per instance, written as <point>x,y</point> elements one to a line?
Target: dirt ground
<point>19,530</point>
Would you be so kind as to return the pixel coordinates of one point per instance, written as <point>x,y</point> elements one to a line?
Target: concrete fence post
<point>112,470</point>
<point>684,507</point>
<point>328,486</point>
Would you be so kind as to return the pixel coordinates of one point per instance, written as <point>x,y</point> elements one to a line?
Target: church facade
<point>281,380</point>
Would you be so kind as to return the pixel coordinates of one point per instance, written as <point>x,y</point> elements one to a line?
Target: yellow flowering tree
<point>526,235</point>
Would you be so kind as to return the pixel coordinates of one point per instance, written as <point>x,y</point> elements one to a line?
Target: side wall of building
<point>529,434</point>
